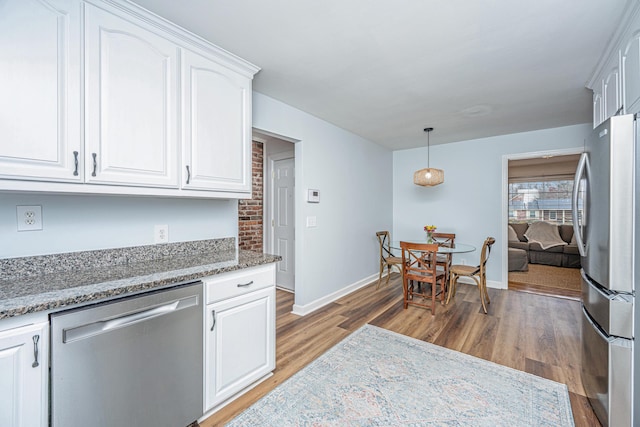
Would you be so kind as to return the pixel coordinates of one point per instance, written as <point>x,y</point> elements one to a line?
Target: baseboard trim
<point>490,283</point>
<point>303,310</point>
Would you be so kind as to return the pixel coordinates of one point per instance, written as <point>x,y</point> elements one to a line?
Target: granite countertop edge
<point>77,296</point>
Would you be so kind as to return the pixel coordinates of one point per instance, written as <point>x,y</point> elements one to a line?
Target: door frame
<point>505,198</point>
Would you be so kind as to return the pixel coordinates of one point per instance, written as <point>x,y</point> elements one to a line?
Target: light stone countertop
<point>34,284</point>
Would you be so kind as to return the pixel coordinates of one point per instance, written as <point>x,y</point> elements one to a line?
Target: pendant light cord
<point>428,131</point>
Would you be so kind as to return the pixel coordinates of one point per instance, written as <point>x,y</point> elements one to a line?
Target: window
<point>541,200</point>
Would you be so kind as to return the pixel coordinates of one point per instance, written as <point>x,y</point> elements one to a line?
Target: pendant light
<point>430,176</point>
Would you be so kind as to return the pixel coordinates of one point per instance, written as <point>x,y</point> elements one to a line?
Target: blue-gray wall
<point>469,202</point>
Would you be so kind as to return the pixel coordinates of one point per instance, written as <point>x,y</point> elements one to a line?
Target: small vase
<point>429,237</point>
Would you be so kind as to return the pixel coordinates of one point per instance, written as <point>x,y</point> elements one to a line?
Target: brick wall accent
<point>250,212</point>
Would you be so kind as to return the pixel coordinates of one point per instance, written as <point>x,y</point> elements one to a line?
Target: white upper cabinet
<point>104,97</point>
<point>631,74</point>
<point>216,139</point>
<point>616,81</point>
<point>131,102</point>
<point>598,106</point>
<point>611,89</point>
<point>40,90</point>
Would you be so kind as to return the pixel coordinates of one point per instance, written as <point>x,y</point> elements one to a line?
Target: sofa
<point>560,255</point>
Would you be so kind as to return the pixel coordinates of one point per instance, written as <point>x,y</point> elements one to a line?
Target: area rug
<point>548,276</point>
<point>375,377</point>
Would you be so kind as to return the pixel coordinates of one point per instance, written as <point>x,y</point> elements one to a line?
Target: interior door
<point>283,221</point>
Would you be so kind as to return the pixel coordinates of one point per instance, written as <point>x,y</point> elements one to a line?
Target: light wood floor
<point>533,333</point>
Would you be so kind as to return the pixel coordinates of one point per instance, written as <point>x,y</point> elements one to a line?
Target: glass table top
<point>458,248</point>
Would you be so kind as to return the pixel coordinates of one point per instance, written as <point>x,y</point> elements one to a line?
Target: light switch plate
<point>311,221</point>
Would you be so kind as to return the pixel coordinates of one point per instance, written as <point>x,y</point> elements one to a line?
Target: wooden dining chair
<point>421,275</point>
<point>444,260</point>
<point>477,273</point>
<point>387,259</point>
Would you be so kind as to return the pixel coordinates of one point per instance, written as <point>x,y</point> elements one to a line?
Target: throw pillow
<point>513,236</point>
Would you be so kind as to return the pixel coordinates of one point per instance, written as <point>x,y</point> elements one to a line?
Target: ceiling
<point>385,69</point>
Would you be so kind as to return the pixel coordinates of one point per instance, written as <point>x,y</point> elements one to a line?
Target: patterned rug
<point>375,377</point>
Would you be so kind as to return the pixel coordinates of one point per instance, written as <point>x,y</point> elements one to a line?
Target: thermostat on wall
<point>313,196</point>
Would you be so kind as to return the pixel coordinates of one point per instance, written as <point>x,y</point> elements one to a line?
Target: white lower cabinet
<point>239,332</point>
<point>23,376</point>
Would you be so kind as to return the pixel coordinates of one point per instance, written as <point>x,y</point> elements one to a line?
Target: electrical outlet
<point>161,234</point>
<point>29,218</point>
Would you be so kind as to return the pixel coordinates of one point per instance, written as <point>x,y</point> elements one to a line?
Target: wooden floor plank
<point>533,333</point>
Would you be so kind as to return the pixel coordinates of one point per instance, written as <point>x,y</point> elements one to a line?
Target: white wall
<point>78,222</point>
<point>469,202</point>
<point>354,178</point>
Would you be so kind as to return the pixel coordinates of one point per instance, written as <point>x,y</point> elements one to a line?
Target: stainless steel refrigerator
<point>605,218</point>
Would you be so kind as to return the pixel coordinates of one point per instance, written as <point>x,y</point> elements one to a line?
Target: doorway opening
<point>266,222</point>
<point>541,254</point>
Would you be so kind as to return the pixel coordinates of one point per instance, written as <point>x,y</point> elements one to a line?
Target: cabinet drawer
<point>229,285</point>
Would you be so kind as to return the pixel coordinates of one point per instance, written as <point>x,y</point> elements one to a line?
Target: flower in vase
<point>430,230</point>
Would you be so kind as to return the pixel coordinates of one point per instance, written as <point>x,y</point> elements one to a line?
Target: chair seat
<point>393,260</point>
<point>476,272</point>
<point>464,270</point>
<point>425,277</point>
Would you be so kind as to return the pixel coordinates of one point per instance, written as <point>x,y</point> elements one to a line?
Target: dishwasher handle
<point>95,328</point>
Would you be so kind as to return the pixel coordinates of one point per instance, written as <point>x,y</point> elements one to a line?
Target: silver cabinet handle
<point>95,164</point>
<point>242,285</point>
<point>188,174</point>
<point>75,159</point>
<point>213,313</point>
<point>35,363</point>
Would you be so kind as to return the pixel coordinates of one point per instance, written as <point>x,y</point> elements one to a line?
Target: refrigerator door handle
<point>577,227</point>
<point>611,296</point>
<point>597,328</point>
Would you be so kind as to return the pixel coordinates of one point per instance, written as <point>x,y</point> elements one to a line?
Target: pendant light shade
<point>428,177</point>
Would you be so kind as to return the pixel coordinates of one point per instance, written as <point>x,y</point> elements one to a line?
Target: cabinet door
<point>216,126</point>
<point>23,386</point>
<point>630,60</point>
<point>40,90</point>
<point>598,109</point>
<point>131,102</point>
<point>240,344</point>
<point>611,91</point>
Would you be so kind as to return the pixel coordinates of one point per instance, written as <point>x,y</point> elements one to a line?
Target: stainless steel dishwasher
<point>135,361</point>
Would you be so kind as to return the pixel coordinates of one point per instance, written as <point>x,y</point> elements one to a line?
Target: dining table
<point>456,248</point>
